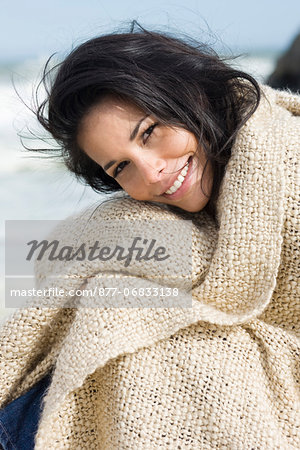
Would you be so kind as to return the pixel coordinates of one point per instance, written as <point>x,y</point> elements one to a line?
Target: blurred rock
<point>287,72</point>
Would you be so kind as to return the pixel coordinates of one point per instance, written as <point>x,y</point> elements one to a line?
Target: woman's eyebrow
<point>136,128</point>
<point>108,165</point>
<point>132,136</point>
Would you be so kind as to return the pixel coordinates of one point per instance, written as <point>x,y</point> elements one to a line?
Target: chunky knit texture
<point>222,374</point>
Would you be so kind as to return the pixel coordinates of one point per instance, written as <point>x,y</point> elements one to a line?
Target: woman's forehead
<point>111,119</point>
<point>119,107</point>
<point>111,111</point>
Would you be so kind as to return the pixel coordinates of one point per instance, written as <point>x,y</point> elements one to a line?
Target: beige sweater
<point>220,371</point>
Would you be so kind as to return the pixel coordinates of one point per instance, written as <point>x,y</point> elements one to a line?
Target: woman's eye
<point>148,132</point>
<point>120,166</point>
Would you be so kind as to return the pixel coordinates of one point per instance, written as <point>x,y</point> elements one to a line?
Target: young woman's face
<point>150,161</point>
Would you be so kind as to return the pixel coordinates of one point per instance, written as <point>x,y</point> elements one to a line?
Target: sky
<point>35,28</point>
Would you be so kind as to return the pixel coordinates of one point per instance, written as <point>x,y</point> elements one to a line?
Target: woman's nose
<point>151,169</point>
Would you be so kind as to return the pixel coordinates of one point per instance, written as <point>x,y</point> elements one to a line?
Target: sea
<point>37,188</point>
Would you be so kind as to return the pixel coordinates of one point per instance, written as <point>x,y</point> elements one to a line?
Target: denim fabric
<point>19,419</point>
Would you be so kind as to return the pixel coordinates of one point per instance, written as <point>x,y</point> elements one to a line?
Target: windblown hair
<point>180,83</point>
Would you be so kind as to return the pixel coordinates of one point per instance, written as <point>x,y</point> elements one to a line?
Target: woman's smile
<point>181,184</point>
<point>149,160</point>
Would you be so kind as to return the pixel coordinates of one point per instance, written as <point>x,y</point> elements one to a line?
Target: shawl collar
<point>236,282</point>
<point>235,269</point>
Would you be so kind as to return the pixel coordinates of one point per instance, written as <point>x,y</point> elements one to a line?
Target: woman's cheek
<point>132,190</point>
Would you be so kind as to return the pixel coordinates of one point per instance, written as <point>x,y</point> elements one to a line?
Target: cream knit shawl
<point>222,374</point>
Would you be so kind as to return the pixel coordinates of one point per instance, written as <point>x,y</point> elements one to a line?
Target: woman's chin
<point>193,208</point>
<point>194,202</point>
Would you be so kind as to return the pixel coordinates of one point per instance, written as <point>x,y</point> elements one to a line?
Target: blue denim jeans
<point>19,419</point>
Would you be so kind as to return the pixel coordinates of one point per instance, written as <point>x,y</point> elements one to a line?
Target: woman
<point>159,75</point>
<point>186,137</point>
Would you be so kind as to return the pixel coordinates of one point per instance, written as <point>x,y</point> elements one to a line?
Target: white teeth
<point>183,174</point>
<point>178,182</point>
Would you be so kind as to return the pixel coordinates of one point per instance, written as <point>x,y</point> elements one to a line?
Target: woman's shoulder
<point>283,98</point>
<point>122,206</point>
<point>114,208</point>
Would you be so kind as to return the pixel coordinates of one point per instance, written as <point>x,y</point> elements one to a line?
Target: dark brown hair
<point>180,82</point>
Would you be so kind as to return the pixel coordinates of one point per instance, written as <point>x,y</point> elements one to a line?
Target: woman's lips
<point>185,184</point>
